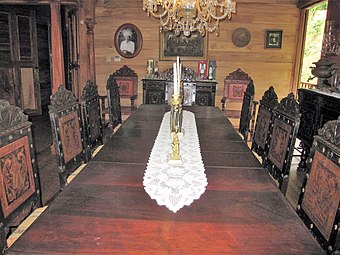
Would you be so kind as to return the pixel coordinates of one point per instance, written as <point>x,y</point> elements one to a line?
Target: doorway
<point>315,20</point>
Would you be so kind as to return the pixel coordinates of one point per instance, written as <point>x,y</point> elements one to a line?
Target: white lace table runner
<point>176,185</point>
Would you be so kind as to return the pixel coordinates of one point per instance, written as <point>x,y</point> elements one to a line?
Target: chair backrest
<point>247,110</point>
<point>113,96</point>
<point>19,176</point>
<point>127,81</point>
<point>319,200</point>
<point>92,122</point>
<point>235,84</point>
<point>283,133</point>
<point>66,122</point>
<point>260,142</point>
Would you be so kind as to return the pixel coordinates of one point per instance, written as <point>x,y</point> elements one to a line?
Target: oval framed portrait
<point>128,40</point>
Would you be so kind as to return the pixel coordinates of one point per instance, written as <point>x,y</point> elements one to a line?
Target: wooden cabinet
<point>157,91</point>
<point>153,91</point>
<point>196,92</point>
<point>316,109</point>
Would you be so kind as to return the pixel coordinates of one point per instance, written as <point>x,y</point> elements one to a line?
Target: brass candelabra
<point>176,118</point>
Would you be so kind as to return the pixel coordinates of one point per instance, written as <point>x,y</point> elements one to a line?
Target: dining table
<point>106,209</point>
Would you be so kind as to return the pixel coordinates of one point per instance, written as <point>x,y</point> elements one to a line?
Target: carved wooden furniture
<point>127,81</point>
<point>319,200</point>
<point>113,97</point>
<point>92,121</point>
<point>283,133</point>
<point>67,133</point>
<point>316,109</point>
<point>268,103</point>
<point>241,211</point>
<point>196,91</point>
<point>19,176</point>
<point>235,84</point>
<point>246,112</point>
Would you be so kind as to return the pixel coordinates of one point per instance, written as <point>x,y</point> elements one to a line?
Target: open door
<point>71,46</point>
<point>19,69</point>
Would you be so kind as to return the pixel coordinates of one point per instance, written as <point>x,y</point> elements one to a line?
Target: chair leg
<point>283,184</point>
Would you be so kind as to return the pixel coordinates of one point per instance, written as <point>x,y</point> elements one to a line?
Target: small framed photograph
<point>273,39</point>
<point>128,40</point>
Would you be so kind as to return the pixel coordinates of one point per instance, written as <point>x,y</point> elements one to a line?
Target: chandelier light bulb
<point>188,16</point>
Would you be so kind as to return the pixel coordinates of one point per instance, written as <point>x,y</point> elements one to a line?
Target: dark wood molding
<point>306,3</point>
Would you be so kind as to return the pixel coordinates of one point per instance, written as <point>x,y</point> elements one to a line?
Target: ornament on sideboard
<point>149,68</point>
<point>323,70</point>
<point>156,70</point>
<point>331,40</point>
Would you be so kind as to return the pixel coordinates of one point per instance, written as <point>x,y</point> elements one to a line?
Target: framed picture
<point>187,47</point>
<point>202,69</point>
<point>273,39</point>
<point>128,40</point>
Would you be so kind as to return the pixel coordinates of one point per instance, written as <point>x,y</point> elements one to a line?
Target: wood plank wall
<point>266,66</point>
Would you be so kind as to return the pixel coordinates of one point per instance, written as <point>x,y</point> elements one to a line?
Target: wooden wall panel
<point>266,66</point>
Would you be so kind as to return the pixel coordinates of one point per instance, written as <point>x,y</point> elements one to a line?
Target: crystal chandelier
<point>190,15</point>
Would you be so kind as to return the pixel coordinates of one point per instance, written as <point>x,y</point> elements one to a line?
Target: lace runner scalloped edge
<point>176,185</point>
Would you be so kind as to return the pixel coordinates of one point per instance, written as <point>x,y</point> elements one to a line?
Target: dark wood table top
<point>105,209</point>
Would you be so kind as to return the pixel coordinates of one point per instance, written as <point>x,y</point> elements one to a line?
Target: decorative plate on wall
<point>241,37</point>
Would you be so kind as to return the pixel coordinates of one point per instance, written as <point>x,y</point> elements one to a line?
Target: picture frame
<point>273,39</point>
<point>202,69</point>
<point>128,40</point>
<point>193,47</point>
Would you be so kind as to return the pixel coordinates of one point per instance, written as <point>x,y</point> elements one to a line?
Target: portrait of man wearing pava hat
<point>127,46</point>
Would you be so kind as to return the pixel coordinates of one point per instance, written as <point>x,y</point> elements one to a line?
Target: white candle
<point>175,80</point>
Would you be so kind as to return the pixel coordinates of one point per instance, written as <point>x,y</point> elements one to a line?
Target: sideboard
<point>196,91</point>
<point>316,107</point>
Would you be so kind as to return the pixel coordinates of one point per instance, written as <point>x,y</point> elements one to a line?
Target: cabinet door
<point>205,94</point>
<point>153,92</point>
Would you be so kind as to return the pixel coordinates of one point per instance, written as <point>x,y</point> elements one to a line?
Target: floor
<point>50,182</point>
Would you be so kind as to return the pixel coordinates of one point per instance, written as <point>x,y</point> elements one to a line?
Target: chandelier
<point>188,16</point>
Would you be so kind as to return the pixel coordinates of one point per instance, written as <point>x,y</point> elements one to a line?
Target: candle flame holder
<point>176,120</point>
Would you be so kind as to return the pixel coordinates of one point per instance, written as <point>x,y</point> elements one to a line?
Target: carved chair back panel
<point>246,110</point>
<point>93,129</point>
<point>235,84</point>
<point>319,200</point>
<point>67,132</point>
<point>264,122</point>
<point>114,101</point>
<point>19,176</point>
<point>283,133</point>
<point>94,121</point>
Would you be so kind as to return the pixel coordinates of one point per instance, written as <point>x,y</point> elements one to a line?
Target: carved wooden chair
<point>319,200</point>
<point>19,176</point>
<point>127,81</point>
<point>246,112</point>
<point>268,103</point>
<point>235,84</point>
<point>113,96</point>
<point>92,122</point>
<point>283,131</point>
<point>67,133</point>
